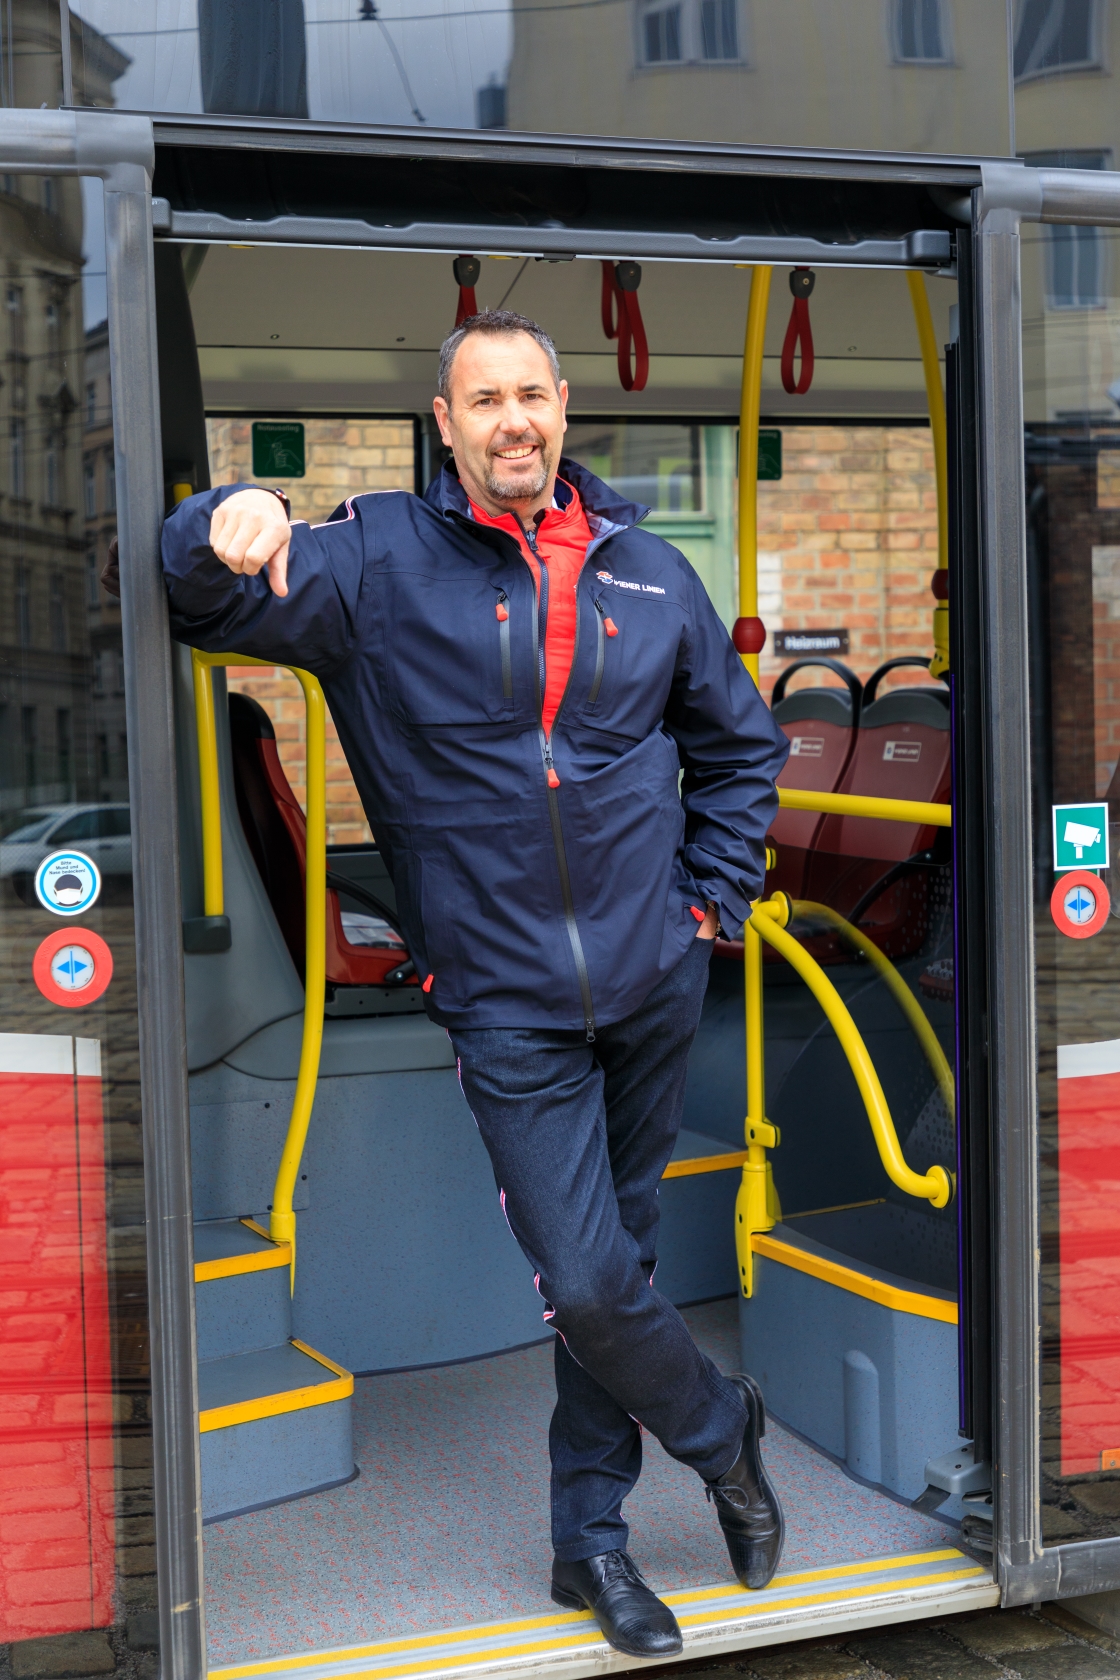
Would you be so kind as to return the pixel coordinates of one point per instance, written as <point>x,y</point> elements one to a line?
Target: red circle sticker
<point>1079,904</point>
<point>73,967</point>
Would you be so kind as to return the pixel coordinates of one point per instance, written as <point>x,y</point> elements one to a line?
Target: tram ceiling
<point>549,210</point>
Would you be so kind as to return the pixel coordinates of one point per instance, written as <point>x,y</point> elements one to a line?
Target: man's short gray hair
<point>495,323</point>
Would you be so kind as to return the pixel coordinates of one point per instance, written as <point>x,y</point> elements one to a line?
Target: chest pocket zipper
<point>604,627</point>
<point>502,610</point>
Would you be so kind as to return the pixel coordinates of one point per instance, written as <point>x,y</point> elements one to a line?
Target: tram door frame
<point>990,648</point>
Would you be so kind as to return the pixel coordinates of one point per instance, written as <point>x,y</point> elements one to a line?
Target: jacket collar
<point>606,510</point>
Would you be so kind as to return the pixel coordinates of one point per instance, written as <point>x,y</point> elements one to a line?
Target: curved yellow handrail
<point>935,402</point>
<point>282,1221</point>
<point>750,402</point>
<point>900,991</point>
<point>935,1185</point>
<point>864,805</point>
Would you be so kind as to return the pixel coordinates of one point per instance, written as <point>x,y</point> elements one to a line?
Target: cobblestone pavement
<point>1050,1644</point>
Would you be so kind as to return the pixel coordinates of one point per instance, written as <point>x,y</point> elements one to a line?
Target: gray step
<point>275,1425</point>
<point>242,1288</point>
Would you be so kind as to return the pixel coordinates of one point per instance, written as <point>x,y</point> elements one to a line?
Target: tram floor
<point>447,1524</point>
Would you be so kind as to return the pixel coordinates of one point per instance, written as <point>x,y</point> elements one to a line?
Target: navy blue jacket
<point>529,906</point>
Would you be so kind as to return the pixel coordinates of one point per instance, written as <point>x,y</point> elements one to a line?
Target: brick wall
<point>343,458</point>
<point>848,539</point>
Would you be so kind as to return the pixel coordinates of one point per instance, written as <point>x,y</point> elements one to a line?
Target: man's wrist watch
<point>284,502</point>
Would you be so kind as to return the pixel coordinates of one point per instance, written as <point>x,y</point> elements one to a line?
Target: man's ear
<point>443,419</point>
<point>563,392</point>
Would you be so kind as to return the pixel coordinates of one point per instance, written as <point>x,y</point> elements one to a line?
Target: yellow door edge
<point>287,1400</point>
<point>856,1283</point>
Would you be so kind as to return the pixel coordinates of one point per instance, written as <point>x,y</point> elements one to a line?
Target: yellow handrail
<point>864,805</point>
<point>900,991</point>
<point>749,405</point>
<point>935,402</point>
<point>282,1221</point>
<point>935,1185</point>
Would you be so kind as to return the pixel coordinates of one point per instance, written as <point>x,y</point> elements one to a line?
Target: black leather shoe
<point>745,1500</point>
<point>633,1619</point>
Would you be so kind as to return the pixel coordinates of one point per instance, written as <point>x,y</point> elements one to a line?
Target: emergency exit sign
<point>769,453</point>
<point>278,449</point>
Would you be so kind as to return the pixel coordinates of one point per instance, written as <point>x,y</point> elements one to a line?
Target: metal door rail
<point>282,1221</point>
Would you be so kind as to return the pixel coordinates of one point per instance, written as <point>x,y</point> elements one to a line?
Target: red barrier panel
<point>57,1524</point>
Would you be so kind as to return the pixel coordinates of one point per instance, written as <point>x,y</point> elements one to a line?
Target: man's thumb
<point>278,571</point>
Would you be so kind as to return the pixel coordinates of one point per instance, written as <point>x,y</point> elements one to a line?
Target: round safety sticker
<point>72,968</point>
<point>67,883</point>
<point>1080,904</point>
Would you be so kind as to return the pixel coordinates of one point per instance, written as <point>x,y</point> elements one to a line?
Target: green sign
<point>278,449</point>
<point>1081,836</point>
<point>769,453</point>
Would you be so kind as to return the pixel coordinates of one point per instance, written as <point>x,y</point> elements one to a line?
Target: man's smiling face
<point>505,421</point>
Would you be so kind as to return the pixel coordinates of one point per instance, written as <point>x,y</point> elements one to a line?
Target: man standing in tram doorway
<point>519,673</point>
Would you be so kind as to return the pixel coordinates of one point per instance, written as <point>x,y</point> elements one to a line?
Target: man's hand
<point>709,927</point>
<point>250,530</point>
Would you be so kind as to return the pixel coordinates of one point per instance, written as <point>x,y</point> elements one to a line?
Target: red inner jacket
<point>562,538</point>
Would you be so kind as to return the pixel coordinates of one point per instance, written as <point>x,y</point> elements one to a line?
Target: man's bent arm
<point>314,625</point>
<point>732,752</point>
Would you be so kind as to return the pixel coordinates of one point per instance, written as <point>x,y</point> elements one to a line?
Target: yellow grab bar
<point>901,992</point>
<point>864,805</point>
<point>935,1185</point>
<point>750,402</point>
<point>282,1221</point>
<point>935,402</point>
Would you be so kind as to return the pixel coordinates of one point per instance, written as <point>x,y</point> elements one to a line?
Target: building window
<point>918,32</point>
<point>91,403</point>
<point>110,484</point>
<point>63,745</point>
<point>89,487</point>
<point>23,606</point>
<point>93,582</point>
<point>1056,35</point>
<point>17,457</point>
<point>50,196</point>
<point>14,304</point>
<point>29,741</point>
<point>52,318</point>
<point>103,765</point>
<point>1076,273</point>
<point>101,671</point>
<point>51,490</point>
<point>689,32</point>
<point>58,612</point>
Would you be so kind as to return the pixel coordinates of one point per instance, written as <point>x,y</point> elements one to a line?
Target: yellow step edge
<point>288,1400</point>
<point>528,1624</point>
<point>856,1283</point>
<point>705,1164</point>
<point>237,1265</point>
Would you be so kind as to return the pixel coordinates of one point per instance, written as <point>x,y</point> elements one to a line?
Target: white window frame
<point>1077,67</point>
<point>948,57</point>
<point>692,55</point>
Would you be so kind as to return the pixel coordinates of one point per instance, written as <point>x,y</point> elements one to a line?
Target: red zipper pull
<point>553,778</point>
<point>502,611</point>
<point>610,627</point>
<point>427,986</point>
<point>699,914</point>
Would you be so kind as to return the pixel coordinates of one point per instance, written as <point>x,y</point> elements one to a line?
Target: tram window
<point>1073,511</point>
<point>343,456</point>
<point>77,1539</point>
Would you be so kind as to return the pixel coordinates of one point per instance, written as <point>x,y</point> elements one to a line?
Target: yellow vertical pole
<point>282,1222</point>
<point>749,407</point>
<point>754,1197</point>
<point>935,401</point>
<point>210,800</point>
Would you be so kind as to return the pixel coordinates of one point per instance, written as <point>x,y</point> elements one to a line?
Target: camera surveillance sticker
<point>67,883</point>
<point>1081,836</point>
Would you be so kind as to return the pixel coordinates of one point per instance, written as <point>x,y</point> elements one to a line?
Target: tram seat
<point>872,871</point>
<point>276,830</point>
<point>821,724</point>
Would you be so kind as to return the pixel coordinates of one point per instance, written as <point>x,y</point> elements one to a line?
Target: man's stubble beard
<point>522,490</point>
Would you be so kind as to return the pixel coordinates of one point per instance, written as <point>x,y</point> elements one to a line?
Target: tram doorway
<point>412,1334</point>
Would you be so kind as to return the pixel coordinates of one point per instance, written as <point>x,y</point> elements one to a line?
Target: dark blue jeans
<point>579,1135</point>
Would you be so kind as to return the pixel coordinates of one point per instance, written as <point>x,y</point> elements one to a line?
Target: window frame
<point>691,37</point>
<point>947,59</point>
<point>1077,67</point>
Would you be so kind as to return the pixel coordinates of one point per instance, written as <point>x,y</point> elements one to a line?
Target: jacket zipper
<point>503,638</point>
<point>600,650</point>
<point>552,782</point>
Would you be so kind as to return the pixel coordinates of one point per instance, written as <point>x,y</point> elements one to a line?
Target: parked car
<point>102,832</point>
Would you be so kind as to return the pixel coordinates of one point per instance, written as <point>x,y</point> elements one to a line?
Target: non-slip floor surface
<point>448,1522</point>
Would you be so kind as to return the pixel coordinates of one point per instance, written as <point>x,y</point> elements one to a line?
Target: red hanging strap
<point>606,301</point>
<point>801,283</point>
<point>467,271</point>
<point>631,328</point>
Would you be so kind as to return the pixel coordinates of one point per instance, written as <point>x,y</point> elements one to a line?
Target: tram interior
<point>374,1447</point>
